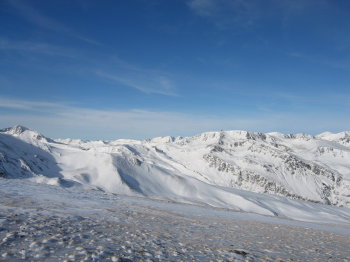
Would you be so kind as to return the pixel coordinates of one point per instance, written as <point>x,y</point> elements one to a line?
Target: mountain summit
<point>235,169</point>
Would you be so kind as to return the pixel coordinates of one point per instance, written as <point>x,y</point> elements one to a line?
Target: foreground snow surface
<point>42,222</point>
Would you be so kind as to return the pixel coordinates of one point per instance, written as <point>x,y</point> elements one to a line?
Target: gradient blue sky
<point>144,68</point>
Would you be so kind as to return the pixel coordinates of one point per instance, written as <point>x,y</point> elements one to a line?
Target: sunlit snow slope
<point>210,168</point>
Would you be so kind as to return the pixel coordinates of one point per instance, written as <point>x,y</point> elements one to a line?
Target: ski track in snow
<point>50,223</point>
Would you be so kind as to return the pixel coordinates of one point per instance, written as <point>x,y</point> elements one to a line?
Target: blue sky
<point>145,68</point>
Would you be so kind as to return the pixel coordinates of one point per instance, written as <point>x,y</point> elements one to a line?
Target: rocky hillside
<point>204,168</point>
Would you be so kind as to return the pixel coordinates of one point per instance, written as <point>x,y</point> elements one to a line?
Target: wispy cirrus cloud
<point>69,120</point>
<point>81,122</point>
<point>342,62</point>
<point>116,70</point>
<point>241,13</point>
<point>145,83</point>
<point>146,80</point>
<point>206,8</point>
<point>21,104</point>
<point>7,44</point>
<point>225,13</point>
<point>35,17</point>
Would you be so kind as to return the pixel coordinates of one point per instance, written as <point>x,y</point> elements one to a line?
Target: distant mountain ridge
<point>203,168</point>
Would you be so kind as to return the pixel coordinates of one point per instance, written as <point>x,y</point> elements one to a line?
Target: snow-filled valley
<point>218,195</point>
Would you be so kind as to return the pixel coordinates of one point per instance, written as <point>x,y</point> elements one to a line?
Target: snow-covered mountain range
<point>235,169</point>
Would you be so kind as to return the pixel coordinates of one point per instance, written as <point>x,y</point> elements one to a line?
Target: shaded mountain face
<point>207,168</point>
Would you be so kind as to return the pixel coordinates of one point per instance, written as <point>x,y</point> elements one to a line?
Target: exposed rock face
<point>298,166</point>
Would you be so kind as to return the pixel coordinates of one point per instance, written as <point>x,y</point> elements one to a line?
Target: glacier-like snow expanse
<point>269,174</point>
<point>218,196</point>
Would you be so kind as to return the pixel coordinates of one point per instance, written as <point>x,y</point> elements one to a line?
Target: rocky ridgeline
<point>283,161</point>
<point>297,166</point>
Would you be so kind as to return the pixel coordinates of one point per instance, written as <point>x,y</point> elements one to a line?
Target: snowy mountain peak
<point>162,139</point>
<point>15,130</point>
<point>28,135</point>
<point>204,168</point>
<point>341,138</point>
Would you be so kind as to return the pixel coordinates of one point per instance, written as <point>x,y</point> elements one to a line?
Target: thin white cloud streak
<point>226,13</point>
<point>121,63</point>
<point>62,120</point>
<point>240,13</point>
<point>35,47</point>
<point>343,64</point>
<point>206,8</point>
<point>149,84</point>
<point>6,102</point>
<point>145,80</point>
<point>34,16</point>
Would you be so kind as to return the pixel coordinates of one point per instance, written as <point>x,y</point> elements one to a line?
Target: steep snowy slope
<point>210,168</point>
<point>297,166</point>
